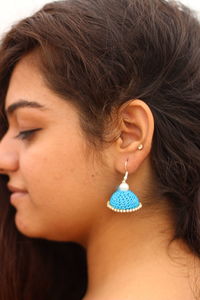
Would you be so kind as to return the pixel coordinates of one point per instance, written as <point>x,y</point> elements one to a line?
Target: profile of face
<point>64,188</point>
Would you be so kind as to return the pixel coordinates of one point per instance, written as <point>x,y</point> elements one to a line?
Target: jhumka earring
<point>124,200</point>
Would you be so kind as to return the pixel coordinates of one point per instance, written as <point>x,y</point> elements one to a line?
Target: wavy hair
<point>99,54</point>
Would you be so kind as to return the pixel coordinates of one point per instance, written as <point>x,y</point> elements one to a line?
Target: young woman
<point>100,152</point>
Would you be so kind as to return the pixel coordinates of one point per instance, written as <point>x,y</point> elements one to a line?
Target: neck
<point>120,246</point>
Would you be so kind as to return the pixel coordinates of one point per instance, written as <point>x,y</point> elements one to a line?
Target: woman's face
<point>65,188</point>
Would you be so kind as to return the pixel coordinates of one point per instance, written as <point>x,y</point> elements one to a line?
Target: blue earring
<point>124,200</point>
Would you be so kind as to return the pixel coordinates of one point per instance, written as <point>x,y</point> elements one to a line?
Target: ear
<point>136,128</point>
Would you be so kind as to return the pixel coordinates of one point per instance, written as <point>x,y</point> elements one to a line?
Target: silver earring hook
<point>126,163</point>
<point>126,172</point>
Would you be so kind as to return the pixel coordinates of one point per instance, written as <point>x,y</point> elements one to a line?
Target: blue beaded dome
<point>124,201</point>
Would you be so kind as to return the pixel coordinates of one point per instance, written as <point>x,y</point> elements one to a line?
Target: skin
<point>67,191</point>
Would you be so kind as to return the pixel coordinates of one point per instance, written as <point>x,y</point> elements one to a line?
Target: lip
<point>17,195</point>
<point>15,189</point>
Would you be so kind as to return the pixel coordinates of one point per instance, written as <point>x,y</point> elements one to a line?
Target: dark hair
<point>98,54</point>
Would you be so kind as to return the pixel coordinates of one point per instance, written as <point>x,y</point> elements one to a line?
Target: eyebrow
<point>24,104</point>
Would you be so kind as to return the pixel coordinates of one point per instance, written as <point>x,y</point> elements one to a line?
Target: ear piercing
<point>140,147</point>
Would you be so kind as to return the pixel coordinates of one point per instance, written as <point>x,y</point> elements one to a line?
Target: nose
<point>8,156</point>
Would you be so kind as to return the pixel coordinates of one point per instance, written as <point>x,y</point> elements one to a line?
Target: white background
<point>13,10</point>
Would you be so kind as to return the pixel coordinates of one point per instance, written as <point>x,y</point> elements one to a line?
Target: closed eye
<point>25,135</point>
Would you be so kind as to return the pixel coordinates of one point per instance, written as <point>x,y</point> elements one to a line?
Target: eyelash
<point>25,135</point>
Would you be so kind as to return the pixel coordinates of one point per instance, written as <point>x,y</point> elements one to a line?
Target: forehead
<point>26,82</point>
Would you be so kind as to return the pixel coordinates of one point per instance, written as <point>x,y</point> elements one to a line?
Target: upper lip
<point>15,189</point>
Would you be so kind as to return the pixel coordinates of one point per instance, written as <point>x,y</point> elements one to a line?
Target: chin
<point>26,228</point>
<point>32,228</point>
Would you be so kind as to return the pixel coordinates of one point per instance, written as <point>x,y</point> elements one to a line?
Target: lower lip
<point>17,195</point>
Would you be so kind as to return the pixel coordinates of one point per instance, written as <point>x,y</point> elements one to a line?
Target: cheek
<point>63,192</point>
<point>60,202</point>
<point>59,170</point>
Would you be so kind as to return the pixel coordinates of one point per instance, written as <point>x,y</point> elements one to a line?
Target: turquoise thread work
<point>124,200</point>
